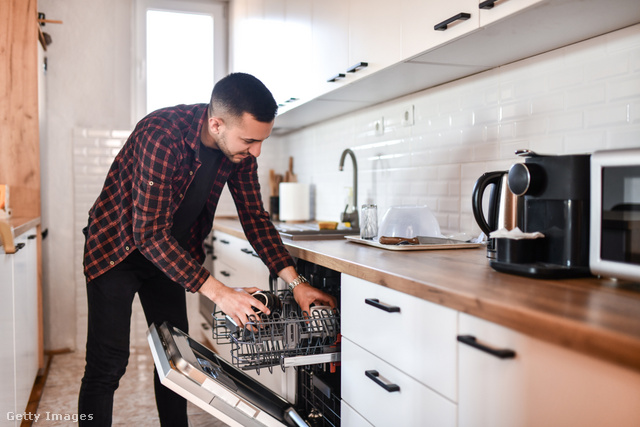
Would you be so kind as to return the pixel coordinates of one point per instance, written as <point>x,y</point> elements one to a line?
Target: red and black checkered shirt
<point>144,187</point>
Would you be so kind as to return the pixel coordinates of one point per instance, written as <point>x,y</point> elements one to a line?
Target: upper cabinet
<point>326,58</point>
<point>375,36</point>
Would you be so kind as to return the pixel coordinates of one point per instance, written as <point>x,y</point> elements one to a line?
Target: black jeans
<point>110,297</point>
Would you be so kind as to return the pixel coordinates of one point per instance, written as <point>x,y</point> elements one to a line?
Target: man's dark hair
<point>240,93</point>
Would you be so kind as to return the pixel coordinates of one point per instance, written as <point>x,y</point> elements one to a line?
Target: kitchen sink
<point>311,231</point>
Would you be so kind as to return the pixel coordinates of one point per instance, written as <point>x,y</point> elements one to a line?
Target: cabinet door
<point>26,315</point>
<point>330,44</point>
<point>416,336</point>
<point>385,396</point>
<point>544,385</point>
<point>7,356</point>
<point>375,35</point>
<point>462,15</point>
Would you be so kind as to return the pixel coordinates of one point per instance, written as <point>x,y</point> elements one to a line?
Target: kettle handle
<point>477,195</point>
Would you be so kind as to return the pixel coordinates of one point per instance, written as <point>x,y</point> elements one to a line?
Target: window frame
<point>219,11</point>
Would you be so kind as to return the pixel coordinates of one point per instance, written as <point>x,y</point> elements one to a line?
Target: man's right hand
<point>236,303</point>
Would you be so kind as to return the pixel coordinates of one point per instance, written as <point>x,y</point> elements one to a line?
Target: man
<point>147,227</point>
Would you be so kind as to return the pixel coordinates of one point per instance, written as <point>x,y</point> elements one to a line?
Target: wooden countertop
<point>592,316</point>
<point>14,227</point>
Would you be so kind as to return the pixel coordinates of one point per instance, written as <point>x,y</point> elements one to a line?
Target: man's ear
<point>215,124</point>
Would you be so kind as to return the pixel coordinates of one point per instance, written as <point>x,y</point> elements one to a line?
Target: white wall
<point>88,86</point>
<point>573,100</point>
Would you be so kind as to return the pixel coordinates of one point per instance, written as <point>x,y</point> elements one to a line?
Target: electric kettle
<point>505,208</point>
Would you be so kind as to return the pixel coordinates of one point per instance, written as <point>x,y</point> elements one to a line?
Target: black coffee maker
<point>556,192</point>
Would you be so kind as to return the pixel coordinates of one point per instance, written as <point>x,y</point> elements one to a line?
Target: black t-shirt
<point>197,194</point>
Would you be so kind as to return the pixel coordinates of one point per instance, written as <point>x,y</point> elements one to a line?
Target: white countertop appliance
<point>615,214</point>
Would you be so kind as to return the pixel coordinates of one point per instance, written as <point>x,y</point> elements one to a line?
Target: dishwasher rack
<point>287,339</point>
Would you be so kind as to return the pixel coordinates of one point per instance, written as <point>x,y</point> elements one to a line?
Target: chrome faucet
<point>351,217</point>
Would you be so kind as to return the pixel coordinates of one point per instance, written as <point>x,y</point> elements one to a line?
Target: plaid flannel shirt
<point>144,188</point>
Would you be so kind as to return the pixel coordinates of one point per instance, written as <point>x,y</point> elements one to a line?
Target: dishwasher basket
<point>286,339</point>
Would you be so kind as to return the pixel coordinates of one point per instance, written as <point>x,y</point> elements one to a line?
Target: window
<point>180,53</point>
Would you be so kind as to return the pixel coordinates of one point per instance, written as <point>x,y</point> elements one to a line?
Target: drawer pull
<point>358,67</point>
<point>225,274</point>
<point>373,375</point>
<point>377,304</point>
<point>488,4</point>
<point>225,242</point>
<point>336,78</point>
<point>246,251</point>
<point>459,17</point>
<point>500,353</point>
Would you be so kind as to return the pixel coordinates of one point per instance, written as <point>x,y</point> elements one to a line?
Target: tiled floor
<point>134,403</point>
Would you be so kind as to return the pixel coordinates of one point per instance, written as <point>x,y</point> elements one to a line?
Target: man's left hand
<point>305,295</point>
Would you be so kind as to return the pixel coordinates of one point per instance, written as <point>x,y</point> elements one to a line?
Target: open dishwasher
<point>286,339</point>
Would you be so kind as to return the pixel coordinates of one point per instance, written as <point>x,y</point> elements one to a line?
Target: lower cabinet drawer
<point>415,335</point>
<point>369,387</point>
<point>350,418</point>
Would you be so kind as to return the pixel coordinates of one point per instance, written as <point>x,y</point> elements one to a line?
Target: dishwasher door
<point>200,376</point>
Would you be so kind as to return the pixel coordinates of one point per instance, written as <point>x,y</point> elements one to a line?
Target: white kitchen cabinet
<point>511,31</point>
<point>419,18</point>
<point>330,44</point>
<point>385,395</point>
<point>25,316</point>
<point>271,39</point>
<point>543,385</point>
<point>414,335</point>
<point>18,326</point>
<point>375,35</point>
<point>407,341</point>
<point>7,355</point>
<point>237,264</point>
<point>349,417</point>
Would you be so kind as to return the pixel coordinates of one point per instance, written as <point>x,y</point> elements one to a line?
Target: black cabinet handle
<point>357,67</point>
<point>373,375</point>
<point>226,242</point>
<point>336,78</point>
<point>205,326</point>
<point>32,236</point>
<point>225,274</point>
<point>459,17</point>
<point>246,251</point>
<point>487,4</point>
<point>500,353</point>
<point>377,304</point>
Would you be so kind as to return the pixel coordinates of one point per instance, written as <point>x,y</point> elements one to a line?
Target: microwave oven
<point>614,249</point>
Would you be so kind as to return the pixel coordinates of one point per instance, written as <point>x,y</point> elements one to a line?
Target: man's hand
<point>236,303</point>
<point>305,295</point>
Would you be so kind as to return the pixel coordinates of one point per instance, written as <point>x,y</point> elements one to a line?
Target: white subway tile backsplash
<point>624,88</point>
<point>586,95</point>
<point>607,115</point>
<point>577,99</point>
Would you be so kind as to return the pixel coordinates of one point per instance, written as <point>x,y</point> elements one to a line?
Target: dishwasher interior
<point>286,341</point>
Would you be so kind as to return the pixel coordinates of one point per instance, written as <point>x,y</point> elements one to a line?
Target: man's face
<point>238,138</point>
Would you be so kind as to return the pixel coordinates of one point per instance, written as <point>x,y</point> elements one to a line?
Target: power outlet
<point>407,116</point>
<point>378,126</point>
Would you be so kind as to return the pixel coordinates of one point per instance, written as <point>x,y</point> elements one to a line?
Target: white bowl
<point>409,221</point>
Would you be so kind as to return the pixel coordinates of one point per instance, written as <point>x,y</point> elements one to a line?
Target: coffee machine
<point>556,193</point>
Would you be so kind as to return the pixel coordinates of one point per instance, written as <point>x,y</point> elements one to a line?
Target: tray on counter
<point>433,246</point>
